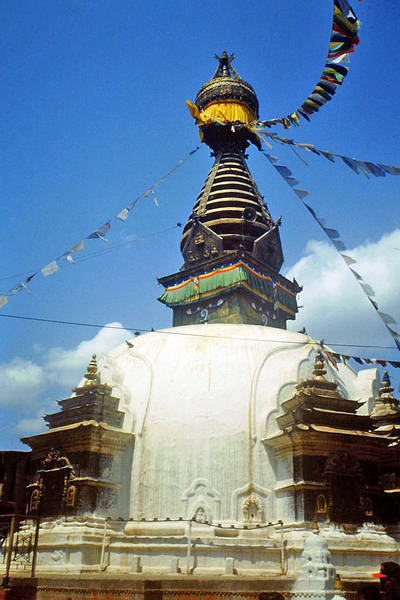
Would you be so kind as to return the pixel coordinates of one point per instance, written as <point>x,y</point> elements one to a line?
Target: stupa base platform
<point>105,587</point>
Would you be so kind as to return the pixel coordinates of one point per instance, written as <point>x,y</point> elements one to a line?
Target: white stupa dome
<point>200,399</point>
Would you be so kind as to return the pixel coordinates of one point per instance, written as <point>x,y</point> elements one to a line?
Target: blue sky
<point>93,113</point>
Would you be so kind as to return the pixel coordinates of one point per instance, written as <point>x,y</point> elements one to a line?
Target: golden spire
<point>91,374</point>
<point>319,370</point>
<point>386,390</point>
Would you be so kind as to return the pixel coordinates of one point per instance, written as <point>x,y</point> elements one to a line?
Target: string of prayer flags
<point>334,237</point>
<point>335,358</point>
<point>366,167</point>
<point>344,37</point>
<point>100,233</point>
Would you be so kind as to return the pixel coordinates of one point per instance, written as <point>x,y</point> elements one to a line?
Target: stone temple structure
<point>224,457</point>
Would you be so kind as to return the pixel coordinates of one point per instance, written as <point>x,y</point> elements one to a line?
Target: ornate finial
<point>224,68</point>
<point>386,405</point>
<point>91,374</point>
<point>386,390</point>
<point>319,370</point>
<point>338,583</point>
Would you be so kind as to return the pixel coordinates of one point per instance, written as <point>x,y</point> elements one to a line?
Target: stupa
<point>194,461</point>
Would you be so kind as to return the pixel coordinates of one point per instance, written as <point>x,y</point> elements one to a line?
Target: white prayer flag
<point>265,141</point>
<point>3,300</point>
<point>348,260</point>
<point>15,290</point>
<point>123,215</point>
<point>50,268</point>
<point>367,289</point>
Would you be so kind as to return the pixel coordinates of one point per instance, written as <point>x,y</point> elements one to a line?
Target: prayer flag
<point>342,70</point>
<point>388,319</point>
<point>348,260</point>
<point>50,268</point>
<point>343,59</point>
<point>301,194</point>
<point>356,275</point>
<point>395,170</point>
<point>311,210</point>
<point>362,168</point>
<point>392,331</point>
<point>123,215</point>
<point>381,362</point>
<point>133,204</point>
<point>367,289</point>
<point>79,246</point>
<point>3,300</point>
<point>292,181</point>
<point>100,232</point>
<point>318,98</point>
<point>338,245</point>
<point>272,159</point>
<point>327,155</point>
<point>374,169</point>
<point>374,304</point>
<point>265,141</point>
<point>350,163</point>
<point>15,290</point>
<point>284,171</point>
<point>303,114</point>
<point>331,233</point>
<point>331,359</point>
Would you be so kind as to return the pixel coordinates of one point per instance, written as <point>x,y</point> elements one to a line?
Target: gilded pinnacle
<point>319,370</point>
<point>386,390</point>
<point>91,374</point>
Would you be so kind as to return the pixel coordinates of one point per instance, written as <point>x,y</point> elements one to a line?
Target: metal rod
<point>189,547</point>
<point>103,545</point>
<point>35,547</point>
<point>282,550</point>
<point>6,578</point>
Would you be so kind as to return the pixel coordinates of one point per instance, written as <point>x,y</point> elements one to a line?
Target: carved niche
<point>344,480</point>
<point>52,493</point>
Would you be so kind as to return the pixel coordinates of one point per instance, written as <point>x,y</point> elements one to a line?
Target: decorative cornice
<point>89,436</point>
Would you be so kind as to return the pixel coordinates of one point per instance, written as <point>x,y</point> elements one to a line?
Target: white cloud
<point>22,380</point>
<point>334,306</point>
<point>25,383</point>
<point>66,367</point>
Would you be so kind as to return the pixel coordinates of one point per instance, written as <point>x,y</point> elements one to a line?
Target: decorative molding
<point>266,496</point>
<point>200,494</point>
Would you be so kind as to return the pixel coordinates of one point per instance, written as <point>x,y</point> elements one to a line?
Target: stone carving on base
<point>202,500</point>
<point>252,503</point>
